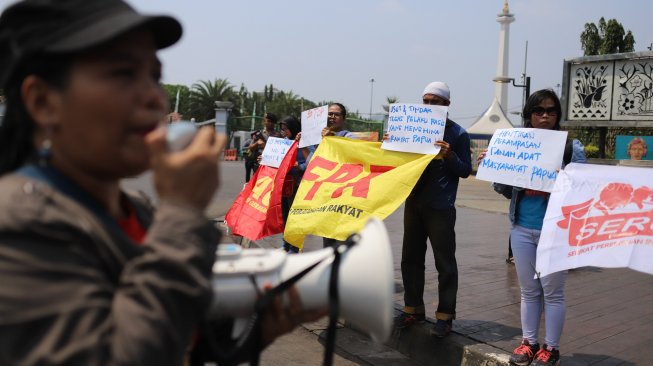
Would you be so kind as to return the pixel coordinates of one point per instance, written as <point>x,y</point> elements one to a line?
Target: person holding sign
<point>336,120</point>
<point>527,209</point>
<point>430,213</point>
<point>259,138</point>
<point>291,129</point>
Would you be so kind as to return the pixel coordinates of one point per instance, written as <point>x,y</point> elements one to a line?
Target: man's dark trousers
<point>422,222</point>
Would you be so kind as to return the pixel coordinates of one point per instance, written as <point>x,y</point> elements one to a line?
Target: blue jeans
<point>420,223</point>
<point>548,291</point>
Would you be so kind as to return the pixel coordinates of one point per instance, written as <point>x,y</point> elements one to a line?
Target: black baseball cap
<point>41,27</point>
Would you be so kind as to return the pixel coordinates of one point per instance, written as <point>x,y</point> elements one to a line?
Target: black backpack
<point>569,150</point>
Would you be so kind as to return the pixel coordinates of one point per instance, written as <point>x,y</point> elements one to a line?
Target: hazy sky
<point>329,50</point>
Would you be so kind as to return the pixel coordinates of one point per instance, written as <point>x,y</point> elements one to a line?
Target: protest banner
<point>256,212</point>
<point>313,121</point>
<point>598,215</point>
<point>524,157</point>
<point>415,128</point>
<point>274,151</point>
<point>346,182</point>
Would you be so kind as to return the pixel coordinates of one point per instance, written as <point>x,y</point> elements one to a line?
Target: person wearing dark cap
<point>430,214</point>
<point>91,274</point>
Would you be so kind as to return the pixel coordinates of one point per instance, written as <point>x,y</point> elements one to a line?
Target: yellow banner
<point>347,182</point>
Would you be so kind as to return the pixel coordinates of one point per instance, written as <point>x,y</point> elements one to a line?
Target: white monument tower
<point>502,62</point>
<point>495,117</point>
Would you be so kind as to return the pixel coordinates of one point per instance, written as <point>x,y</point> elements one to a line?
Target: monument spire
<point>501,90</point>
<point>495,116</point>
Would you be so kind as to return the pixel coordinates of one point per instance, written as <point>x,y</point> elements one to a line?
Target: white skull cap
<point>438,88</point>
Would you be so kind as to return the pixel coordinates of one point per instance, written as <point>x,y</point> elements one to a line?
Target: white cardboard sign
<point>313,122</point>
<point>524,157</point>
<point>415,128</point>
<point>275,149</point>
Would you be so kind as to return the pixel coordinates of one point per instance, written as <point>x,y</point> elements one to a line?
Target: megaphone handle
<point>334,307</point>
<point>267,297</point>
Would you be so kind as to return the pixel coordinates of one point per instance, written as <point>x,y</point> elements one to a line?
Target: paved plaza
<point>609,311</point>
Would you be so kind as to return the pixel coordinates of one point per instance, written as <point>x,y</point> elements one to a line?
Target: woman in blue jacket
<point>527,209</point>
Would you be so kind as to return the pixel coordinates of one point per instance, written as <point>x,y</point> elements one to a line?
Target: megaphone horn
<point>365,291</point>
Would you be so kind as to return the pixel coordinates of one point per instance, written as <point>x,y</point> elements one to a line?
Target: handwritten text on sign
<point>415,128</point>
<point>524,157</point>
<point>275,150</point>
<point>313,121</point>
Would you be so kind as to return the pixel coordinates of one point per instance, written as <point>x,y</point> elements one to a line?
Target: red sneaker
<point>547,357</point>
<point>524,354</point>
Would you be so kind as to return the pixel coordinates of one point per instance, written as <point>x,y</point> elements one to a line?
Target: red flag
<point>256,212</point>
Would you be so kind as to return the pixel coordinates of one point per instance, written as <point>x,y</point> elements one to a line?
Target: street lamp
<point>526,86</point>
<point>371,95</point>
<point>222,110</point>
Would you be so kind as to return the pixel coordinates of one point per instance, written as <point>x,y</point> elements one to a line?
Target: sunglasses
<point>539,111</point>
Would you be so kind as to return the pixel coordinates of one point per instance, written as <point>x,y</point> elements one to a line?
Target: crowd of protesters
<point>132,283</point>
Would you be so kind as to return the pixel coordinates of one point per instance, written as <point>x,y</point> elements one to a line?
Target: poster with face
<point>633,147</point>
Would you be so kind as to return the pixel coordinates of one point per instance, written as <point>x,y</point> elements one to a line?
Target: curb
<point>417,343</point>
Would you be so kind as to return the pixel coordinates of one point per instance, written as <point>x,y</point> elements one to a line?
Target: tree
<point>285,103</point>
<point>204,94</point>
<point>606,38</point>
<point>270,95</point>
<point>629,42</point>
<point>590,39</point>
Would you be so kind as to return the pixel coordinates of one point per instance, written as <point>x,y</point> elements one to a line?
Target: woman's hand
<point>481,155</point>
<point>189,176</point>
<point>385,136</point>
<point>326,131</point>
<point>298,137</point>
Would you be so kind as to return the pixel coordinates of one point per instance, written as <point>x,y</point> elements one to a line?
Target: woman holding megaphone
<point>91,274</point>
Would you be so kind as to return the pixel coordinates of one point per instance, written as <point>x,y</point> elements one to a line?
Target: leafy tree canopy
<point>606,38</point>
<point>198,102</point>
<point>204,94</point>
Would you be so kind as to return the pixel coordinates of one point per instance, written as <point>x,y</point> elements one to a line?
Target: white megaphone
<point>365,281</point>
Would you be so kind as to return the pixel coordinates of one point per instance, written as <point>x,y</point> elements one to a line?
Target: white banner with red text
<point>601,216</point>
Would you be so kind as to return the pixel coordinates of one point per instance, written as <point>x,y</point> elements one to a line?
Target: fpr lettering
<point>325,171</point>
